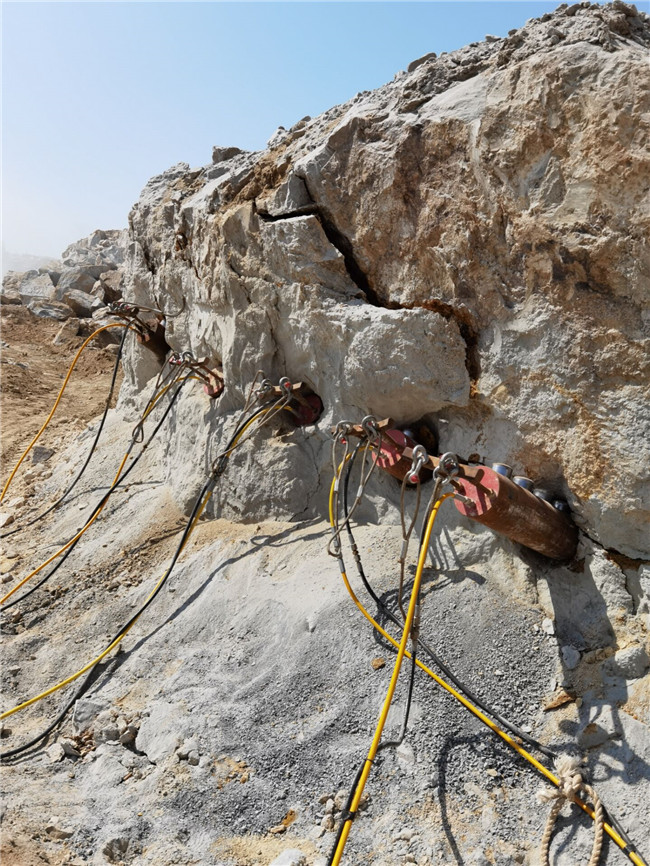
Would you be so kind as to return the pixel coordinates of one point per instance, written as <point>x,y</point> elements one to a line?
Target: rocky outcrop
<point>87,279</point>
<point>467,242</point>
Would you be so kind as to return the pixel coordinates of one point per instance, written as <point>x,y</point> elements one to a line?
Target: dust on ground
<point>32,370</point>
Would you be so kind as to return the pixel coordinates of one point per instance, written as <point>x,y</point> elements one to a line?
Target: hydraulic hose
<point>401,652</point>
<point>421,643</point>
<point>58,399</point>
<point>118,481</point>
<point>73,484</point>
<point>197,510</point>
<point>617,835</point>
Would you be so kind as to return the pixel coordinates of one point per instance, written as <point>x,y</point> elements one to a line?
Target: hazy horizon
<point>99,97</point>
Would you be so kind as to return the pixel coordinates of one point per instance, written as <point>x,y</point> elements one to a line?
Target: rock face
<point>467,242</point>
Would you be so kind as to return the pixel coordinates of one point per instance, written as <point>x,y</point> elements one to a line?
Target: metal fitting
<point>544,495</point>
<point>370,428</point>
<point>561,505</point>
<point>264,387</point>
<point>420,457</point>
<point>502,469</point>
<point>285,384</point>
<point>448,467</point>
<point>341,431</point>
<point>522,481</point>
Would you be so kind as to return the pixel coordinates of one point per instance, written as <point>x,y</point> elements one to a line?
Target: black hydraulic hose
<point>90,453</point>
<point>102,501</point>
<point>432,655</point>
<point>459,685</point>
<point>11,753</point>
<point>207,487</point>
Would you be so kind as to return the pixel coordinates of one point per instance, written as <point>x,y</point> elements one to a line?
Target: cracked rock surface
<point>465,245</point>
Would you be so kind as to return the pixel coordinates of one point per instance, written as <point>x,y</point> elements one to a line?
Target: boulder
<point>49,309</point>
<point>112,284</point>
<point>35,285</point>
<point>82,304</point>
<point>79,279</point>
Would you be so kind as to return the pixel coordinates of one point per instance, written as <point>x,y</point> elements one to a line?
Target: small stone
<point>6,519</point>
<point>324,798</point>
<point>327,822</point>
<point>40,454</point>
<point>548,627</point>
<point>378,663</point>
<point>57,829</point>
<point>129,734</point>
<point>70,748</point>
<point>570,657</point>
<point>114,849</point>
<point>630,663</point>
<point>278,829</point>
<point>55,752</point>
<point>290,857</point>
<point>341,799</point>
<point>193,758</point>
<point>559,700</point>
<point>329,807</point>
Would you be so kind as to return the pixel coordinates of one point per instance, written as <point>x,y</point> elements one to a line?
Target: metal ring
<point>447,467</point>
<point>369,425</point>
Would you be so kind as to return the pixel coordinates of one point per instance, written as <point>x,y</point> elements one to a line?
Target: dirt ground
<point>32,370</point>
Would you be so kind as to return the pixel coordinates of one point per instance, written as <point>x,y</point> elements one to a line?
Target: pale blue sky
<point>100,96</point>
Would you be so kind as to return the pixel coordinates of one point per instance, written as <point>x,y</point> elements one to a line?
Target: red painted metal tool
<point>307,406</point>
<point>488,498</point>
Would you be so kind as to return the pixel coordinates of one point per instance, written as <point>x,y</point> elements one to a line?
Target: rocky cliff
<point>467,246</point>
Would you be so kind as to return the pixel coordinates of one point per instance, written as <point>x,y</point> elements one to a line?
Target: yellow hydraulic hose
<point>66,545</point>
<point>118,639</point>
<point>56,402</point>
<point>551,777</point>
<point>393,680</point>
<point>87,526</point>
<point>112,645</point>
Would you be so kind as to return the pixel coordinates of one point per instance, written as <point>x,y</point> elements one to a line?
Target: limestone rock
<point>49,309</point>
<point>630,663</point>
<point>78,279</point>
<point>9,296</point>
<point>35,286</point>
<point>81,303</point>
<point>290,857</point>
<point>482,250</point>
<point>105,248</point>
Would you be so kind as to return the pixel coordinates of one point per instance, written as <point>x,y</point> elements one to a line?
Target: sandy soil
<point>32,370</point>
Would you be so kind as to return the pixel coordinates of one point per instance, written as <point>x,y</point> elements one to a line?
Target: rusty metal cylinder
<point>389,455</point>
<point>507,508</point>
